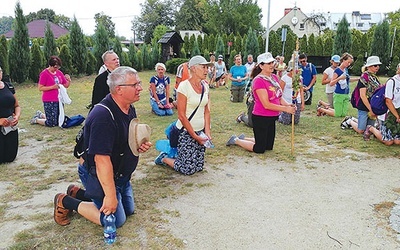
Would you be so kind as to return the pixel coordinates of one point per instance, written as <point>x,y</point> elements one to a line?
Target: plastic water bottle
<point>110,230</point>
<point>208,143</point>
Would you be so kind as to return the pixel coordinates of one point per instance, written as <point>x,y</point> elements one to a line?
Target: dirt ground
<point>276,205</point>
<point>251,204</point>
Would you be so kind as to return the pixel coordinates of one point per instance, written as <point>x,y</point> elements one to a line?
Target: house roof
<point>171,37</point>
<point>37,28</point>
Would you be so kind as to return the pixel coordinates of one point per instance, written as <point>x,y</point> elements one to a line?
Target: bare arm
<point>105,173</point>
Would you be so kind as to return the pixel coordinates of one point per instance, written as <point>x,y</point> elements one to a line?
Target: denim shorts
<point>364,120</point>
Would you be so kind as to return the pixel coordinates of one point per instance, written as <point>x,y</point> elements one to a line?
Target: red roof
<point>37,28</point>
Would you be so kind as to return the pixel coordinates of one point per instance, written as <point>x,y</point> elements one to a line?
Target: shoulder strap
<point>109,110</point>
<point>201,98</point>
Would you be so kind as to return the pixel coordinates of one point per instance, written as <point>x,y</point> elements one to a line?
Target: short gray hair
<point>160,65</point>
<point>103,57</point>
<point>118,76</point>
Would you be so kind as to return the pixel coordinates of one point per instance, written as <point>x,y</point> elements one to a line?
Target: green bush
<point>173,64</point>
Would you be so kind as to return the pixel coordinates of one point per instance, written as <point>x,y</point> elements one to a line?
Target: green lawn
<point>43,170</point>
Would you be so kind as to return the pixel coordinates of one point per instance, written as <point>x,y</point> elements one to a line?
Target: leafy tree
<point>42,14</point>
<point>36,65</point>
<point>158,32</point>
<point>101,44</point>
<point>220,48</point>
<point>78,48</point>
<point>291,39</point>
<point>63,21</point>
<point>124,59</point>
<point>319,46</point>
<point>233,16</point>
<point>5,24</point>
<point>358,63</point>
<point>183,53</point>
<point>186,43</point>
<point>328,46</point>
<point>191,15</point>
<point>251,44</point>
<point>303,44</point>
<point>140,65</point>
<point>342,42</point>
<point>60,41</point>
<point>200,42</point>
<point>133,59</point>
<point>117,48</point>
<point>19,54</point>
<point>66,58</point>
<point>393,65</point>
<point>275,46</point>
<point>147,64</point>
<point>205,42</point>
<point>261,43</point>
<point>381,45</point>
<point>192,39</point>
<point>195,50</point>
<point>231,59</point>
<point>153,13</point>
<point>311,45</point>
<point>106,22</point>
<point>239,43</point>
<point>91,64</point>
<point>211,43</point>
<point>155,53</point>
<point>50,47</point>
<point>4,55</point>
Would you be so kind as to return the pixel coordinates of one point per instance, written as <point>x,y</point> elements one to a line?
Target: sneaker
<point>231,140</point>
<point>367,133</point>
<point>33,120</point>
<point>239,117</point>
<point>344,124</point>
<point>241,136</point>
<point>39,114</point>
<point>160,157</point>
<point>60,212</point>
<point>72,190</point>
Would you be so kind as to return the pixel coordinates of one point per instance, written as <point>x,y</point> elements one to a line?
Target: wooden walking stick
<point>296,84</point>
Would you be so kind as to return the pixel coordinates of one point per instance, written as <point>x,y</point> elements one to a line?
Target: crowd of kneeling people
<point>113,137</point>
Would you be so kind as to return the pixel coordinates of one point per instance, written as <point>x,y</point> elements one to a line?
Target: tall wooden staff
<point>296,83</point>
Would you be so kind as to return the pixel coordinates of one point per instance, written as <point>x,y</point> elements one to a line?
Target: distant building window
<point>323,24</point>
<point>301,26</point>
<point>360,25</point>
<point>186,33</point>
<point>365,16</point>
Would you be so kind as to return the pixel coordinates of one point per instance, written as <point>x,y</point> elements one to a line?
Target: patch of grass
<point>315,137</point>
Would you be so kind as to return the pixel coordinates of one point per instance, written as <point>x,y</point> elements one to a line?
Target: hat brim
<point>133,140</point>
<point>371,64</point>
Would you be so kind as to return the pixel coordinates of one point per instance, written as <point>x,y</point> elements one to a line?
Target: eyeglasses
<point>135,85</point>
<point>262,63</point>
<point>375,66</point>
<point>302,61</point>
<point>56,66</point>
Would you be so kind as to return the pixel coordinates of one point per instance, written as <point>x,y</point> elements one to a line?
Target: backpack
<point>355,97</point>
<point>72,121</point>
<point>79,149</point>
<point>378,100</point>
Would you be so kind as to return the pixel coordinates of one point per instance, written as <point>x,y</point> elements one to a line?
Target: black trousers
<point>8,146</point>
<point>264,128</point>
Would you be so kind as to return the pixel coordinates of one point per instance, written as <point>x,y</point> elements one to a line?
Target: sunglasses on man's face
<point>303,61</point>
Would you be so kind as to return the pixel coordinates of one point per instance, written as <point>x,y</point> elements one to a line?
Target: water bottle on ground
<point>110,230</point>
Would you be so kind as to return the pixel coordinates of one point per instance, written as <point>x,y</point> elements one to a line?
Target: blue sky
<point>123,11</point>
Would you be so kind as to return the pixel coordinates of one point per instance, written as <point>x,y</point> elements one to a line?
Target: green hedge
<point>173,64</point>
